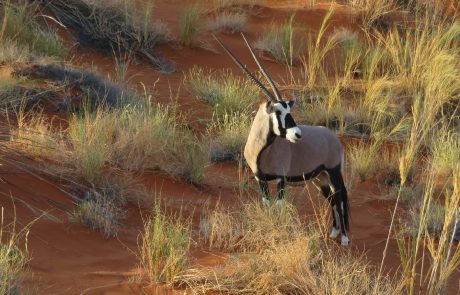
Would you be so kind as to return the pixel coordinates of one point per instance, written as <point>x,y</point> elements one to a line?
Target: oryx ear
<point>291,103</point>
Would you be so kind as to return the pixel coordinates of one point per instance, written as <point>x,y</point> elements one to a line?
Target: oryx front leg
<point>265,192</point>
<point>281,186</point>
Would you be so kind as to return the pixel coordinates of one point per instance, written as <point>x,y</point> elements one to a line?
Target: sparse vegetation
<point>281,256</point>
<point>231,4</point>
<point>363,157</point>
<point>229,134</point>
<point>228,22</point>
<point>226,92</point>
<point>13,260</point>
<point>282,42</point>
<point>164,246</point>
<point>21,36</point>
<point>134,138</point>
<point>99,211</point>
<point>373,12</point>
<point>190,24</point>
<point>108,26</point>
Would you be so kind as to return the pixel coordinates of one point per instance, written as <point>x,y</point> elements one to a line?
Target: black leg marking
<point>264,188</point>
<point>281,188</point>
<point>327,193</point>
<point>341,201</point>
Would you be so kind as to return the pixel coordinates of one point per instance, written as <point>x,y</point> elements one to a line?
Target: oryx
<point>278,149</point>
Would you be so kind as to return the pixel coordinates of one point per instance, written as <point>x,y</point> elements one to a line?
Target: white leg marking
<point>345,239</point>
<point>266,202</point>
<point>280,203</point>
<point>334,233</point>
<point>336,214</point>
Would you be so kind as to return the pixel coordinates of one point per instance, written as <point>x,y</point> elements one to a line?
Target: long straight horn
<point>253,78</point>
<point>269,80</point>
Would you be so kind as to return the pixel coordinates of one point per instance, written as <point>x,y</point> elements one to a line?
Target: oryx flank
<point>278,149</point>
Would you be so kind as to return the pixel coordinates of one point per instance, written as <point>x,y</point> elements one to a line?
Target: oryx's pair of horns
<point>277,96</point>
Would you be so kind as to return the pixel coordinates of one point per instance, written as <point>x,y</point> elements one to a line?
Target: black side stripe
<point>305,176</point>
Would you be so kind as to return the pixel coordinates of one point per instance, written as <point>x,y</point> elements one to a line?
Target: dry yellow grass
<point>275,253</point>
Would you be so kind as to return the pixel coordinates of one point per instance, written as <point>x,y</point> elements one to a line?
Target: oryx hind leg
<point>341,201</point>
<point>323,183</point>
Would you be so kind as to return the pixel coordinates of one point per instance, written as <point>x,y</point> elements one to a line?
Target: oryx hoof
<point>345,240</point>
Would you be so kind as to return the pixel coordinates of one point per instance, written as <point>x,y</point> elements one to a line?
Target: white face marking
<point>276,127</point>
<point>292,134</point>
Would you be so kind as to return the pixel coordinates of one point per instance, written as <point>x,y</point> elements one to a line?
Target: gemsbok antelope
<point>278,149</point>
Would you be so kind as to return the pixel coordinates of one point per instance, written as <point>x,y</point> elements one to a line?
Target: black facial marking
<point>289,121</point>
<point>280,127</point>
<point>283,104</point>
<point>291,103</point>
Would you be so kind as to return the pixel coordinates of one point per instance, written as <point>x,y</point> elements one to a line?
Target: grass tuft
<point>190,24</point>
<point>99,211</point>
<point>19,29</point>
<point>226,92</point>
<point>164,246</point>
<point>228,22</point>
<point>13,260</point>
<point>282,42</point>
<point>229,134</point>
<point>108,26</point>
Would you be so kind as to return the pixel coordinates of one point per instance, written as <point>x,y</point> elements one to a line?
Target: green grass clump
<point>90,137</point>
<point>445,151</point>
<point>11,53</point>
<point>164,246</point>
<point>99,211</point>
<point>226,92</point>
<point>190,24</point>
<point>157,137</point>
<point>134,138</point>
<point>19,26</point>
<point>229,134</point>
<point>228,22</point>
<point>282,42</point>
<point>373,11</point>
<point>13,260</point>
